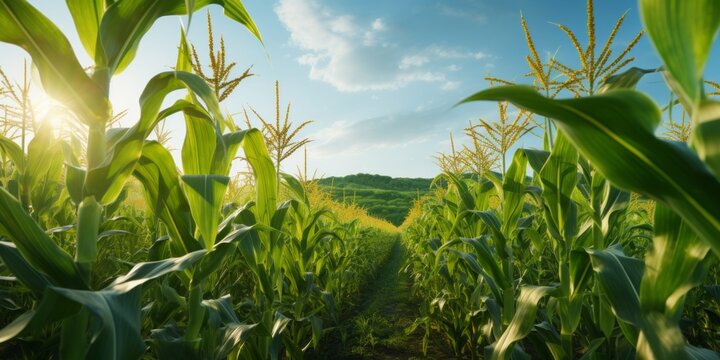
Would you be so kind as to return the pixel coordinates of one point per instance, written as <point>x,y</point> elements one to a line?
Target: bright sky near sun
<point>379,78</point>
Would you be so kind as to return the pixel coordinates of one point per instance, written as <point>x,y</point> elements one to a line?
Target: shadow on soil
<point>376,330</point>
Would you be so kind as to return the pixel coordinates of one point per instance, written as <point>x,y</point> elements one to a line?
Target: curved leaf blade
<point>60,71</point>
<point>615,131</point>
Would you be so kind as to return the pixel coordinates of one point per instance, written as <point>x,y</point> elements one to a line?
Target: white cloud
<point>474,15</point>
<point>389,131</point>
<point>343,25</point>
<point>378,25</point>
<point>450,85</point>
<point>413,60</point>
<point>455,53</point>
<point>344,53</point>
<point>354,55</point>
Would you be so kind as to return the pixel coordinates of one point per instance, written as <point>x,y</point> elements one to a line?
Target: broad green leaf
<point>107,180</point>
<point>619,277</point>
<point>661,338</point>
<point>205,195</point>
<point>706,134</point>
<point>536,158</point>
<point>297,189</point>
<point>257,155</point>
<point>165,197</point>
<point>483,259</point>
<point>19,267</point>
<point>35,246</point>
<point>522,322</point>
<point>154,269</point>
<point>117,308</point>
<point>184,58</point>
<point>126,22</point>
<point>625,80</point>
<point>52,307</point>
<point>118,312</point>
<point>62,75</point>
<point>615,131</point>
<point>559,178</point>
<point>74,181</point>
<point>87,15</point>
<point>202,141</point>
<point>493,223</point>
<point>513,193</point>
<point>13,152</point>
<point>683,33</point>
<point>246,236</point>
<point>44,169</point>
<point>673,264</point>
<point>673,267</point>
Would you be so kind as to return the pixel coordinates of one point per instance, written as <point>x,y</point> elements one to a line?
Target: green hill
<point>383,196</point>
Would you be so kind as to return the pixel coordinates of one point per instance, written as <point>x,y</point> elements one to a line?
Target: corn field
<point>601,244</point>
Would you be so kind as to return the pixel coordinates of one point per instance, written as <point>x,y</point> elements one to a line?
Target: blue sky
<point>379,78</point>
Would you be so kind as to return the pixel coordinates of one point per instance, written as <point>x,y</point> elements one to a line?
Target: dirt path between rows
<point>386,309</point>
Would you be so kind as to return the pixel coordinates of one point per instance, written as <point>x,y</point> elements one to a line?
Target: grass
<point>383,196</point>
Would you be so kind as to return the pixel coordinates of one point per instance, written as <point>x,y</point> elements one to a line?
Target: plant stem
<point>73,337</point>
<point>196,312</point>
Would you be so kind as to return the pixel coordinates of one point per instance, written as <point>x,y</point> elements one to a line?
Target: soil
<point>377,327</point>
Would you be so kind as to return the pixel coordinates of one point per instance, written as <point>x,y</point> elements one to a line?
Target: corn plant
<point>453,163</point>
<point>220,79</point>
<point>595,67</point>
<point>62,282</point>
<point>281,135</point>
<point>615,131</point>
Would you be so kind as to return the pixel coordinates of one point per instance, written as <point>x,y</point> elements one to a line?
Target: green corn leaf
<point>706,134</point>
<point>559,179</point>
<point>44,169</point>
<point>673,264</point>
<point>13,152</point>
<point>107,180</point>
<point>118,312</point>
<point>205,195</point>
<point>536,158</point>
<point>165,197</point>
<point>35,246</point>
<point>615,131</point>
<point>493,223</point>
<point>126,22</point>
<point>52,307</point>
<point>233,334</point>
<point>62,75</point>
<point>117,307</point>
<point>202,141</point>
<point>619,277</point>
<point>673,267</point>
<point>487,258</point>
<point>87,15</point>
<point>256,153</point>
<point>19,267</point>
<point>683,33</point>
<point>522,322</point>
<point>184,58</point>
<point>246,236</point>
<point>297,189</point>
<point>476,268</point>
<point>628,79</point>
<point>513,193</point>
<point>154,269</point>
<point>74,182</point>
